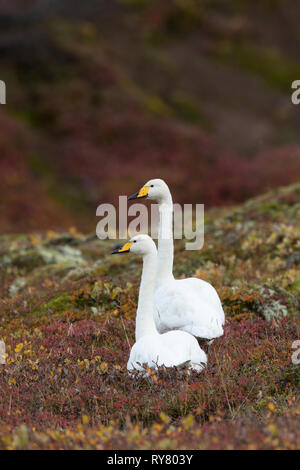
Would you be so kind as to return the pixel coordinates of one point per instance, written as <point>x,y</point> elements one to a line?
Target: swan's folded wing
<point>207,293</point>
<point>189,305</point>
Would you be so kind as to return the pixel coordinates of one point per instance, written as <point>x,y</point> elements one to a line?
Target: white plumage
<point>191,305</point>
<point>171,349</point>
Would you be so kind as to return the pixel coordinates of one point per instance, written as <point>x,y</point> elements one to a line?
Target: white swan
<point>175,348</point>
<point>190,305</point>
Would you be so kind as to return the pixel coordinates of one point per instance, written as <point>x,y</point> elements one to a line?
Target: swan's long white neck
<point>165,241</point>
<point>144,316</point>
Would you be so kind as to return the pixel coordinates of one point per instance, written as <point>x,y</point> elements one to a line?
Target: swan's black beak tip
<point>121,249</point>
<point>134,196</point>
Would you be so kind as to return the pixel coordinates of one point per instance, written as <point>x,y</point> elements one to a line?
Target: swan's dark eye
<point>134,241</point>
<point>152,186</point>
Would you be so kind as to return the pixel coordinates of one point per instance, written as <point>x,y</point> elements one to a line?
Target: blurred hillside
<point>102,96</point>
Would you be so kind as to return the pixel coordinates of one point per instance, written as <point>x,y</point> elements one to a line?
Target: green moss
<point>155,105</point>
<point>58,304</point>
<point>295,286</point>
<point>270,206</point>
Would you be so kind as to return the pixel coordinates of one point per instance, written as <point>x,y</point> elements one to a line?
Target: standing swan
<point>191,304</point>
<point>175,348</point>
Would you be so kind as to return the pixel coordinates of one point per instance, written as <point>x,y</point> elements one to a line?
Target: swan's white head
<point>156,190</point>
<point>140,244</point>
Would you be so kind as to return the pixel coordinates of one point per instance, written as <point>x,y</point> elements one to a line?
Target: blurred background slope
<point>103,95</point>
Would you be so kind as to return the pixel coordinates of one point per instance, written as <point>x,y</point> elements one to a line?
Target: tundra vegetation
<point>68,317</point>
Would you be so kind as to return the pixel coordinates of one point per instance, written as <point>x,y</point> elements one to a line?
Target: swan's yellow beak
<point>124,249</point>
<point>140,194</point>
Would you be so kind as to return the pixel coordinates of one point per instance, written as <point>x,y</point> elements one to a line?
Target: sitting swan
<point>190,305</point>
<point>172,349</point>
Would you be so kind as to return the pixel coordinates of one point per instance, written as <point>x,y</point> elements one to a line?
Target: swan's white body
<point>191,305</point>
<point>172,349</point>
